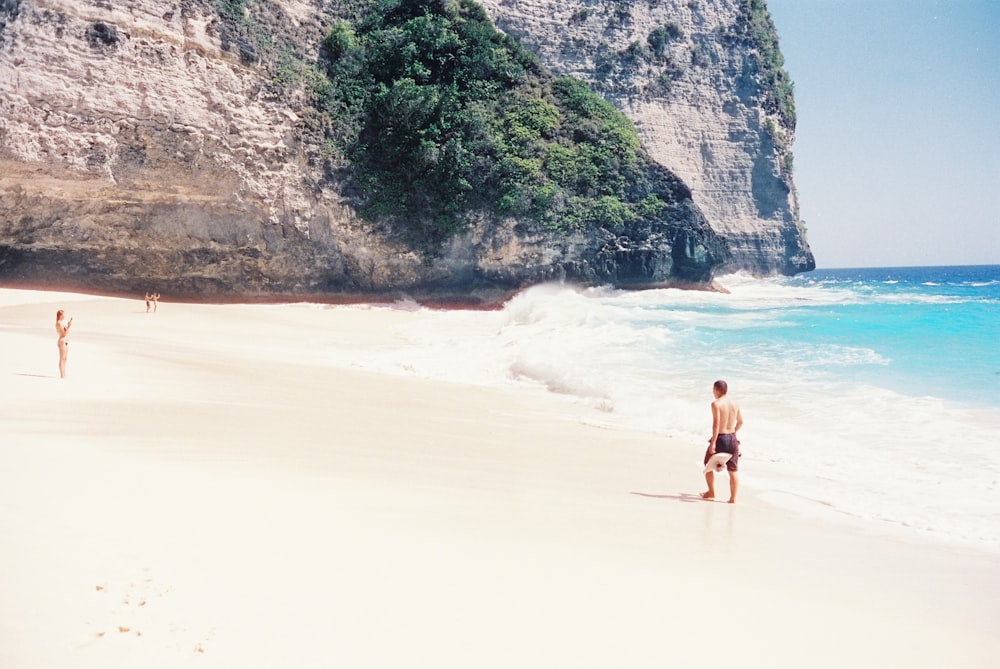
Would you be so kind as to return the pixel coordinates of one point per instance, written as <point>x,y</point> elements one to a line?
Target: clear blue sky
<point>897,148</point>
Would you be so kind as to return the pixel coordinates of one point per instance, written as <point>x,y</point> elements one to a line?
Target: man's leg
<point>710,480</point>
<point>734,484</point>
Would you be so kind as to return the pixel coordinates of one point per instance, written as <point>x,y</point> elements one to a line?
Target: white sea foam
<point>814,431</point>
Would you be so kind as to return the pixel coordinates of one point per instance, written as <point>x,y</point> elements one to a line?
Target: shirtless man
<point>726,420</point>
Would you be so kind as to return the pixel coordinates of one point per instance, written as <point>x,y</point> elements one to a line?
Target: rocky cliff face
<point>694,89</point>
<point>145,145</point>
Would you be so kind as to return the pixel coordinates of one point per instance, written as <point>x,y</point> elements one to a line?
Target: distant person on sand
<point>156,301</point>
<point>148,298</point>
<point>726,421</point>
<point>63,330</point>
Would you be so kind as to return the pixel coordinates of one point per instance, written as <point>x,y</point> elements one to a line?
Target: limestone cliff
<point>152,145</point>
<point>690,77</point>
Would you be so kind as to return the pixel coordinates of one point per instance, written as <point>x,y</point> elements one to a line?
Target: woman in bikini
<point>63,330</point>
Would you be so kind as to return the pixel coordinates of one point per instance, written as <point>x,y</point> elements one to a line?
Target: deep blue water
<point>929,330</point>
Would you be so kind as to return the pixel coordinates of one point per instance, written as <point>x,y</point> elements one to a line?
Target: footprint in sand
<point>141,608</point>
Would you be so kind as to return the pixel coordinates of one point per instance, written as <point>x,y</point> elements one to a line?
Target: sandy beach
<point>208,489</point>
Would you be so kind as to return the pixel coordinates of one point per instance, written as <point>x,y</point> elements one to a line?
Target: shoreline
<point>206,480</point>
<point>483,299</point>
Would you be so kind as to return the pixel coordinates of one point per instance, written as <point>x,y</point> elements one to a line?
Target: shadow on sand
<point>680,497</point>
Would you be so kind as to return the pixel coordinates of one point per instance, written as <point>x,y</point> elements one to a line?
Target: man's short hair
<point>721,386</point>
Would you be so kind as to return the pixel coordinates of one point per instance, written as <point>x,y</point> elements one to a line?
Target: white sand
<point>203,491</point>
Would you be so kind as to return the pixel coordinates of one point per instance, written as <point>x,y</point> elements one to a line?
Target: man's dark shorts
<point>726,443</point>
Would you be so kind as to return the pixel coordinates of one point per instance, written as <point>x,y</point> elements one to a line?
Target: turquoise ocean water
<point>871,395</point>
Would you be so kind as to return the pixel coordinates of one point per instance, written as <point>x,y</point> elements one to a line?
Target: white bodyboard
<point>717,463</point>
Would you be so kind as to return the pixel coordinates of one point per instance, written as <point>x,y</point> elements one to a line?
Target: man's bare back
<point>726,414</point>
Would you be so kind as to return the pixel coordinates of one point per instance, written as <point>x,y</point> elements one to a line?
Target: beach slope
<point>208,489</point>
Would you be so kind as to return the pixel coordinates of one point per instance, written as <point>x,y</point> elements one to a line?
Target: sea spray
<point>873,394</point>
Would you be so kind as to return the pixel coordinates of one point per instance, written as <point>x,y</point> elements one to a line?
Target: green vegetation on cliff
<point>755,24</point>
<point>437,114</point>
